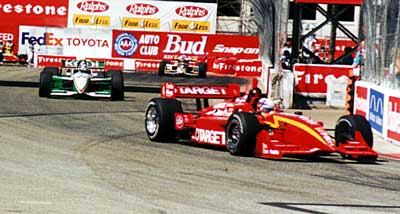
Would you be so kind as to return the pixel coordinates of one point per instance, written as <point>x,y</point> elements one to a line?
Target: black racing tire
<point>346,128</point>
<point>160,119</point>
<point>117,85</point>
<point>202,70</point>
<point>241,131</point>
<point>161,68</point>
<point>53,70</point>
<point>45,82</point>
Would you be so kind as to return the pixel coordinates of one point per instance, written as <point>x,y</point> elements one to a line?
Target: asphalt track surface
<point>93,156</point>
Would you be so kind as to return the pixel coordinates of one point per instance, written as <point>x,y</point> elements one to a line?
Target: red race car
<point>252,125</point>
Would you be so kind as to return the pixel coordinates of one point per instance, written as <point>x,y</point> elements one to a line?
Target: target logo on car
<point>125,44</point>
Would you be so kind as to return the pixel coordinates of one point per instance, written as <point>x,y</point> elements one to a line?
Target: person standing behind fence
<point>359,60</point>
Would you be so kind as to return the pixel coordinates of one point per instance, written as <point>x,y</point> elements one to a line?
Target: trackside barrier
<point>381,107</point>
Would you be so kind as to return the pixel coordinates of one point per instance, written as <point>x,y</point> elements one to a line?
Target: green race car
<point>81,78</point>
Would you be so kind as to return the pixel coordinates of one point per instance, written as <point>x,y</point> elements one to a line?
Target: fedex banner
<point>311,79</point>
<point>159,45</point>
<point>166,16</point>
<point>66,41</point>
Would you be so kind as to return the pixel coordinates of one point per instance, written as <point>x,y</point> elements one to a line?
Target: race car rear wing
<point>90,63</point>
<point>170,90</point>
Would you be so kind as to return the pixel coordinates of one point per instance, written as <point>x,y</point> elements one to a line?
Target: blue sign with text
<point>376,105</point>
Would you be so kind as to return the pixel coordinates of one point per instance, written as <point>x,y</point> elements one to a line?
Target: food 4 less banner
<point>167,16</point>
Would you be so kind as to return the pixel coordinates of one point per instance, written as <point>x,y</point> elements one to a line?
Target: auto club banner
<point>166,16</point>
<point>163,45</point>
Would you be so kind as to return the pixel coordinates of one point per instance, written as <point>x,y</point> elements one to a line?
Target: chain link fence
<point>382,42</point>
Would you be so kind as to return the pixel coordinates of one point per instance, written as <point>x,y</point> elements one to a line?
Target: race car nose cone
<point>81,81</point>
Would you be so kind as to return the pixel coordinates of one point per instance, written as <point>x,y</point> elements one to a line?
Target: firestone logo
<point>142,9</point>
<point>93,6</point>
<point>191,12</point>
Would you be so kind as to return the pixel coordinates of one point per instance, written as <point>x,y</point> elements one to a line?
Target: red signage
<point>241,68</point>
<point>191,12</point>
<point>393,122</point>
<point>142,9</point>
<point>52,61</point>
<point>311,79</point>
<point>353,2</point>
<point>110,64</point>
<point>360,101</point>
<point>161,45</point>
<point>93,6</point>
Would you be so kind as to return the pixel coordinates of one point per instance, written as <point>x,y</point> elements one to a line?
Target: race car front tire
<point>202,70</point>
<point>160,119</point>
<point>46,82</point>
<point>117,85</point>
<point>241,131</point>
<point>346,128</point>
<point>161,68</point>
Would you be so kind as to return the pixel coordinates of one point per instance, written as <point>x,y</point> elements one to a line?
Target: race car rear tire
<point>161,68</point>
<point>46,83</point>
<point>117,85</point>
<point>160,119</point>
<point>346,128</point>
<point>241,131</point>
<point>202,70</point>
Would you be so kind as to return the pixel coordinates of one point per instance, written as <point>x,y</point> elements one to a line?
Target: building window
<point>309,11</point>
<point>228,8</point>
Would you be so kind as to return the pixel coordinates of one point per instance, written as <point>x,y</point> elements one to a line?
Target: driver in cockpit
<point>83,67</point>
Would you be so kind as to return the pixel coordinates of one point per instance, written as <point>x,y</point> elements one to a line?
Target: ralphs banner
<point>159,45</point>
<point>66,41</point>
<point>166,16</point>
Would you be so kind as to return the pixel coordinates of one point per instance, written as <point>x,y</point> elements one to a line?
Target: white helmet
<point>265,105</point>
<point>83,66</point>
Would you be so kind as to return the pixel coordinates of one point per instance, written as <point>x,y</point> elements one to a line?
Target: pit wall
<point>381,107</point>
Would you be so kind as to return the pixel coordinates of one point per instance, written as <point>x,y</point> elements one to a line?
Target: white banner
<point>77,42</point>
<point>165,16</point>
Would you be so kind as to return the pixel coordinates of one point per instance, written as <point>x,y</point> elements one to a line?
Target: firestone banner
<point>166,16</point>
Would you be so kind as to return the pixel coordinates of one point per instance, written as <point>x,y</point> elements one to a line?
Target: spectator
<point>286,60</point>
<point>348,58</point>
<point>358,62</point>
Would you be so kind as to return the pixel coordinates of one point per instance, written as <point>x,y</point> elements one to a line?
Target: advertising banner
<point>376,109</point>
<point>66,41</point>
<point>361,100</point>
<point>27,12</point>
<point>311,79</point>
<point>163,45</point>
<point>166,16</point>
<point>238,67</point>
<point>52,60</point>
<point>393,119</point>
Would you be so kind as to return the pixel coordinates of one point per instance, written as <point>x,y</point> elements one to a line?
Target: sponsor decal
<point>52,61</point>
<point>141,23</point>
<point>201,90</point>
<point>191,12</point>
<point>220,48</point>
<point>209,136</point>
<point>32,9</point>
<point>142,9</point>
<point>89,20</point>
<point>126,44</point>
<point>393,122</point>
<point>188,25</point>
<point>146,65</point>
<point>175,44</point>
<point>376,104</point>
<point>49,39</point>
<point>168,90</point>
<point>360,101</point>
<point>93,6</point>
<point>6,36</point>
<point>179,122</point>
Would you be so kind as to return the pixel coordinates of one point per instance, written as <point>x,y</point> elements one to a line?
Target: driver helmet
<point>182,58</point>
<point>265,105</point>
<point>82,66</point>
